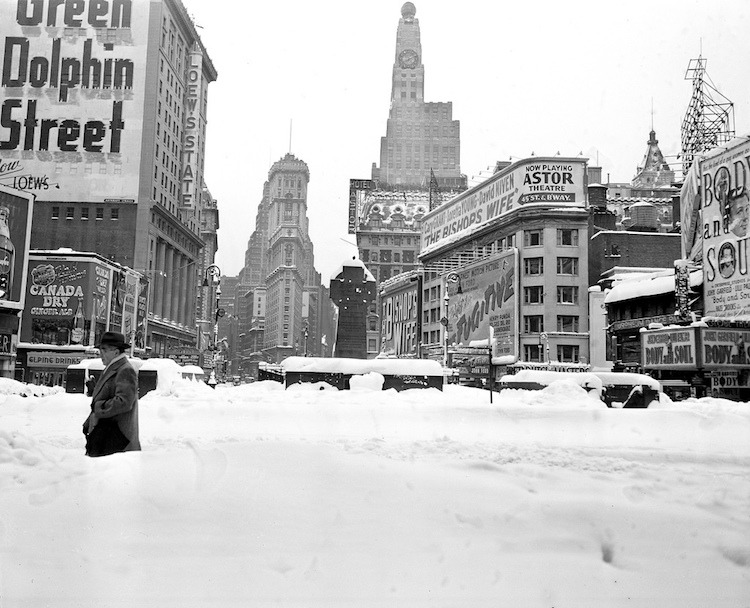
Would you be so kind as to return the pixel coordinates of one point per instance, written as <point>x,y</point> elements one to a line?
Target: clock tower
<point>408,71</point>
<point>421,138</point>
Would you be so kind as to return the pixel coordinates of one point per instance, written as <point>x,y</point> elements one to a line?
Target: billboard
<point>400,328</point>
<point>483,304</point>
<point>355,186</point>
<point>669,349</point>
<point>63,297</point>
<point>16,209</point>
<point>725,196</point>
<point>73,84</point>
<point>552,181</point>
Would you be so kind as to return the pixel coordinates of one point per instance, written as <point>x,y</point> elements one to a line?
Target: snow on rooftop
<point>355,263</point>
<point>641,286</point>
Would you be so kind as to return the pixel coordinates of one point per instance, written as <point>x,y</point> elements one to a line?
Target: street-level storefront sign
<point>53,359</point>
<point>673,348</point>
<point>725,348</point>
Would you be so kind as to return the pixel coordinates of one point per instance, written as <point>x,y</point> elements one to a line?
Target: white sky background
<point>256,496</point>
<point>542,77</point>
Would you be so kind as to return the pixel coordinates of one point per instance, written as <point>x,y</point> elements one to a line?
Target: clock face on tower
<point>408,59</point>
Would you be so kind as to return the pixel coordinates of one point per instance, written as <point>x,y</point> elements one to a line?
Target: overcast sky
<point>542,77</point>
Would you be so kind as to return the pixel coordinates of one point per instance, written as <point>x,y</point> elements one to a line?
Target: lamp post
<point>213,270</point>
<point>446,300</point>
<point>307,333</point>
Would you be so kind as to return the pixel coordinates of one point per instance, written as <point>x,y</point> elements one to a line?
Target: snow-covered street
<point>253,495</point>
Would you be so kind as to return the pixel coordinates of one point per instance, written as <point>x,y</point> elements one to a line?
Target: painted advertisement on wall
<point>72,82</point>
<point>483,302</point>
<point>63,296</point>
<point>399,309</point>
<point>16,209</point>
<point>549,180</point>
<point>725,195</point>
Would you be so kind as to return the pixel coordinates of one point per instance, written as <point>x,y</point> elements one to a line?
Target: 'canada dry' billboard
<point>72,82</point>
<point>725,195</point>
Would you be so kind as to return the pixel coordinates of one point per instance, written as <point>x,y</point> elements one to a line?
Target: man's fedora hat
<point>113,338</point>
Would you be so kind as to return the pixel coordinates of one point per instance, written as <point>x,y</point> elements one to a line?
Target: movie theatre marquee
<point>551,181</point>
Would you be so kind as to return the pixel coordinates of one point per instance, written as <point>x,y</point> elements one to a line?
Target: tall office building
<point>420,137</point>
<point>104,105</point>
<point>288,302</point>
<point>420,166</point>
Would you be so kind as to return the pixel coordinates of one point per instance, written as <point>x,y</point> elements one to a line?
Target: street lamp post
<point>215,273</point>
<point>446,300</point>
<point>307,333</point>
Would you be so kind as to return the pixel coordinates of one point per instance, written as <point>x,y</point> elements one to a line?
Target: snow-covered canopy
<point>652,285</point>
<point>387,367</point>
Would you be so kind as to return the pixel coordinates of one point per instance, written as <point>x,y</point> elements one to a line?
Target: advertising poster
<point>725,195</point>
<point>669,349</point>
<point>725,349</point>
<point>400,321</point>
<point>483,302</point>
<point>72,82</point>
<point>62,296</point>
<point>129,306</point>
<point>16,209</point>
<point>549,180</point>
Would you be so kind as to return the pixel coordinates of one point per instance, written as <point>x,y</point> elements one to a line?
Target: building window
<point>115,213</point>
<point>567,294</point>
<point>70,213</point>
<point>567,237</point>
<point>385,255</point>
<point>567,323</point>
<point>372,323</point>
<point>372,345</point>
<point>533,266</point>
<point>532,352</point>
<point>408,257</point>
<point>55,213</point>
<point>567,266</point>
<point>533,324</point>
<point>100,213</point>
<point>533,238</point>
<point>84,213</point>
<point>533,295</point>
<point>567,353</point>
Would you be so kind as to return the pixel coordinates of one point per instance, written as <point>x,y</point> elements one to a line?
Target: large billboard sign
<point>356,186</point>
<point>400,320</point>
<point>552,181</point>
<point>72,81</point>
<point>63,296</point>
<point>669,349</point>
<point>482,305</point>
<point>16,209</point>
<point>725,196</point>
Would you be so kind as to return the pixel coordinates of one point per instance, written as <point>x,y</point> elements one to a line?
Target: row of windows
<point>534,324</point>
<point>565,266</point>
<point>566,294</point>
<point>70,213</point>
<point>565,237</point>
<point>396,241</point>
<point>387,256</point>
